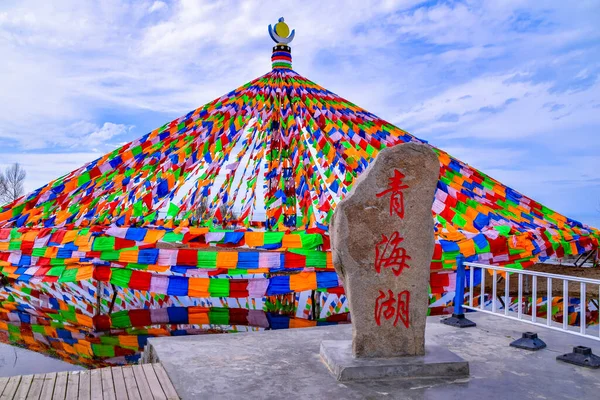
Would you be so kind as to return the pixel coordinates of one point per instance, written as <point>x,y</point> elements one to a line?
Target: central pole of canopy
<point>280,196</point>
<point>282,57</point>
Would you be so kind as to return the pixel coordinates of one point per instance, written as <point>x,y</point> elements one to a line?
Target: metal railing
<point>520,315</point>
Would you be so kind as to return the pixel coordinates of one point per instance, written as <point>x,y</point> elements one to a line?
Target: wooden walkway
<point>131,382</point>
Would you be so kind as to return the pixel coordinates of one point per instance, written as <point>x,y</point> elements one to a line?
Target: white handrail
<point>520,315</point>
<point>537,273</point>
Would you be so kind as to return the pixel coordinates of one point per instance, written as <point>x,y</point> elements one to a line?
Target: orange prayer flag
<point>254,239</point>
<point>301,323</point>
<point>303,281</point>
<point>129,341</point>
<point>84,349</point>
<point>291,241</point>
<point>227,259</point>
<point>84,320</point>
<point>198,287</point>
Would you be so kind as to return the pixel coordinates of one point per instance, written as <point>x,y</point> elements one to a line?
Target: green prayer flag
<point>138,209</point>
<point>218,316</point>
<point>218,287</point>
<point>102,243</point>
<point>171,237</point>
<point>207,259</point>
<point>103,350</point>
<point>121,319</point>
<point>173,210</point>
<point>150,217</point>
<point>68,275</point>
<point>120,277</point>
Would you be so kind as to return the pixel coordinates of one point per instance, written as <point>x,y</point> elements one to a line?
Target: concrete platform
<point>438,362</point>
<point>286,364</point>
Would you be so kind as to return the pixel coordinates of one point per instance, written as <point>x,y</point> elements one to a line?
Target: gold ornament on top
<point>281,33</point>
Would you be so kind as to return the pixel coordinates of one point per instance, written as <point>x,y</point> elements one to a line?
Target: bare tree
<point>3,188</point>
<point>11,183</point>
<point>203,208</point>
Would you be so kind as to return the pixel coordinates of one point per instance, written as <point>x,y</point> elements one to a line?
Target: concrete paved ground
<point>286,364</point>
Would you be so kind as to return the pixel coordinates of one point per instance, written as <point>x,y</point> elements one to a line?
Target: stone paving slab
<point>287,364</point>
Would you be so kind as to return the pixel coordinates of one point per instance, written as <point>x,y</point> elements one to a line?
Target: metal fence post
<point>459,296</point>
<point>458,316</point>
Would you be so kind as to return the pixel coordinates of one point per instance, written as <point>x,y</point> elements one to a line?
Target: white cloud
<point>62,63</point>
<point>157,6</point>
<point>76,134</point>
<point>486,158</point>
<point>106,132</point>
<point>498,107</point>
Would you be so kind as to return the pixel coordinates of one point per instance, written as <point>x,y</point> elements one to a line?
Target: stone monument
<point>382,241</point>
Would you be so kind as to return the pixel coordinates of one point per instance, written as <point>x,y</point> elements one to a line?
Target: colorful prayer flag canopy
<point>279,153</point>
<point>220,218</point>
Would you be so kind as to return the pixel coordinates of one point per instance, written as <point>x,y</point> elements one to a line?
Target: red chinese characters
<point>389,254</point>
<point>395,188</point>
<point>393,307</point>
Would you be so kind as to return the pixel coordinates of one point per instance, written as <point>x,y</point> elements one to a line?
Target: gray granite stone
<point>438,362</point>
<point>382,242</point>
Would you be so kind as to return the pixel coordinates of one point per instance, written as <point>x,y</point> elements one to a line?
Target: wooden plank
<point>142,382</point>
<point>23,389</point>
<point>73,386</point>
<point>3,383</point>
<point>84,385</point>
<point>48,386</point>
<point>155,387</point>
<point>165,382</point>
<point>60,387</point>
<point>119,381</point>
<point>108,386</point>
<point>130,384</point>
<point>96,384</point>
<point>36,387</point>
<point>11,388</point>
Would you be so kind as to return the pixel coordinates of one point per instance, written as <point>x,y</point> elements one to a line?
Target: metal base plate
<point>581,356</point>
<point>458,321</point>
<point>529,341</point>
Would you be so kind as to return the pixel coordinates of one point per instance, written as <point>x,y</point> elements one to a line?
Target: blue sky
<point>511,87</point>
